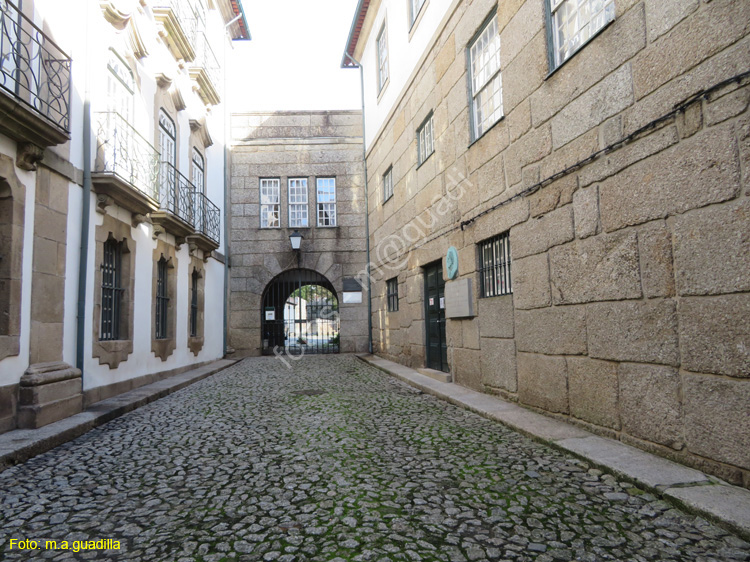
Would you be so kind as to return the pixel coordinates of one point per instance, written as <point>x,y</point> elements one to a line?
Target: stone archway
<point>299,314</point>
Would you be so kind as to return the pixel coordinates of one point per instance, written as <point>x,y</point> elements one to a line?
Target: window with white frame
<point>326,188</point>
<point>298,203</point>
<point>388,184</point>
<point>574,22</point>
<point>415,6</point>
<point>199,171</point>
<point>486,81</point>
<point>382,58</point>
<point>270,203</point>
<point>425,143</point>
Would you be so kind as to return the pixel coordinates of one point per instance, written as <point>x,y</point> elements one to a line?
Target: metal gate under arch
<point>300,314</point>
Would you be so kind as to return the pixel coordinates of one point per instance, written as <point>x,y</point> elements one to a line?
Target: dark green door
<point>434,294</point>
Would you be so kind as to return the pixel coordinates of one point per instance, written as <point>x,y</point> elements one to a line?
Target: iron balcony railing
<point>124,152</point>
<point>207,217</point>
<point>33,68</point>
<point>176,193</point>
<point>206,59</point>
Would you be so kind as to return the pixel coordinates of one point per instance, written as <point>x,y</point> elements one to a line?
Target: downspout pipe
<point>85,219</point>
<point>367,203</point>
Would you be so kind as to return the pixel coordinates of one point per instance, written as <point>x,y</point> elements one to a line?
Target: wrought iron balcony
<point>207,219</point>
<point>178,22</point>
<point>177,201</point>
<point>206,70</point>
<point>35,78</point>
<point>126,166</point>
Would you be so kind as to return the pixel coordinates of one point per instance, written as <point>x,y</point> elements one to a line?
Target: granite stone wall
<point>624,180</point>
<point>285,145</point>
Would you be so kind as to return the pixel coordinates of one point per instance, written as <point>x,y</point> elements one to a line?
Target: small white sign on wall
<point>270,314</point>
<point>459,301</point>
<point>352,297</point>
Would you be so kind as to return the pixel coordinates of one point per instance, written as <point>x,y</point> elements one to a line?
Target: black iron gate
<point>300,314</point>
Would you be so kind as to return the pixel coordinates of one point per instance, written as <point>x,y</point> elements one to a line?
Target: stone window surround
<point>195,344</point>
<point>114,352</point>
<point>164,347</point>
<point>391,290</point>
<point>13,194</point>
<point>388,184</point>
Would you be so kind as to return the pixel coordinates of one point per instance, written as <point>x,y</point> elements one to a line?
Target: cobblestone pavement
<point>332,460</point>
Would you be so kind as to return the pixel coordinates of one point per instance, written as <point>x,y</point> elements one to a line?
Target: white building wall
<point>405,47</point>
<point>80,29</point>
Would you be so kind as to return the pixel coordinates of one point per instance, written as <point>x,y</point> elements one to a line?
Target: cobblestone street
<point>332,460</point>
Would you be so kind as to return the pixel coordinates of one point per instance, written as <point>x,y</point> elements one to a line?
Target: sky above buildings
<point>294,58</point>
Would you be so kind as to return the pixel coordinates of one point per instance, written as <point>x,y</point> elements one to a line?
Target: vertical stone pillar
<point>50,388</point>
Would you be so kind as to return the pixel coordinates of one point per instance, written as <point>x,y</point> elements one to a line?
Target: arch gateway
<point>310,182</point>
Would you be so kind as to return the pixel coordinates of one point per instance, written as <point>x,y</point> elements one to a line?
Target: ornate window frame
<point>114,352</point>
<point>12,214</point>
<point>164,347</point>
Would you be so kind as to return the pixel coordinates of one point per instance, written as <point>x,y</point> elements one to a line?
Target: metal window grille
<point>425,140</point>
<point>415,6</point>
<point>486,80</point>
<point>392,294</point>
<point>574,22</point>
<point>162,299</point>
<point>388,184</point>
<point>194,305</point>
<point>382,58</point>
<point>269,203</point>
<point>494,266</point>
<point>298,203</point>
<point>326,201</point>
<point>111,291</point>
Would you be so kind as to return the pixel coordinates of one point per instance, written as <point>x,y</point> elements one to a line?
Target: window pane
<point>494,266</point>
<point>298,202</point>
<point>576,21</point>
<point>486,83</point>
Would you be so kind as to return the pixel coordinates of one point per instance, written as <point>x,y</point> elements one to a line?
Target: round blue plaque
<point>451,262</point>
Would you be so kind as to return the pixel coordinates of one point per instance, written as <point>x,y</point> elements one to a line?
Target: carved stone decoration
<point>102,202</point>
<point>164,80</point>
<point>137,41</point>
<point>158,229</point>
<point>193,246</point>
<point>136,219</point>
<point>179,241</point>
<point>200,127</point>
<point>117,12</point>
<point>28,156</point>
<point>177,99</point>
<point>206,255</point>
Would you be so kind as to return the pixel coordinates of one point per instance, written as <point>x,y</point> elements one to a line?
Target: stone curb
<point>692,490</point>
<point>19,445</point>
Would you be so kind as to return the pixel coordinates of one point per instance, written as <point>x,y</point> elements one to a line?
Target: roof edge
<point>354,31</point>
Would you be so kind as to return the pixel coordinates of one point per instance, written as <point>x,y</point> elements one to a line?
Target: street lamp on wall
<point>296,239</point>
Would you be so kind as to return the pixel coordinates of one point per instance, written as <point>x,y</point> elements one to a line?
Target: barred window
<point>486,81</point>
<point>111,290</point>
<point>415,6</point>
<point>388,184</point>
<point>494,266</point>
<point>574,22</point>
<point>392,294</point>
<point>326,201</point>
<point>194,304</point>
<point>269,203</point>
<point>162,299</point>
<point>382,58</point>
<point>425,143</point>
<point>298,203</point>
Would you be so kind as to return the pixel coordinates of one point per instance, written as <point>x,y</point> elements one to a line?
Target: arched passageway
<point>300,314</point>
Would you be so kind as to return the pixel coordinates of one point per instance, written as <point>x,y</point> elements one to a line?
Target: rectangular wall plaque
<point>459,300</point>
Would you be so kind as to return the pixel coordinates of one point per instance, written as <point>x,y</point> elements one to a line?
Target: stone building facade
<point>611,171</point>
<point>277,152</point>
<point>78,328</point>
